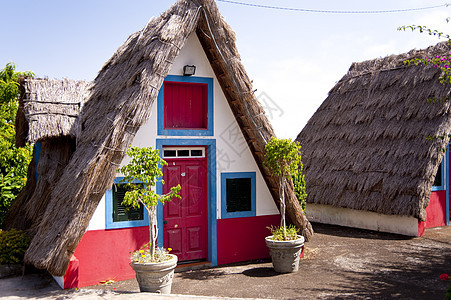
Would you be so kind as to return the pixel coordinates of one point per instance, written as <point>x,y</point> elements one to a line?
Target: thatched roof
<point>120,102</point>
<point>365,148</point>
<point>51,107</point>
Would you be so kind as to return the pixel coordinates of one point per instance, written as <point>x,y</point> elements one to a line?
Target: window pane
<point>183,153</point>
<point>196,153</point>
<point>169,153</point>
<point>121,212</point>
<point>238,191</point>
<point>438,176</point>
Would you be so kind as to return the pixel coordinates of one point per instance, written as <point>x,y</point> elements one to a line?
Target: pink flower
<point>444,276</point>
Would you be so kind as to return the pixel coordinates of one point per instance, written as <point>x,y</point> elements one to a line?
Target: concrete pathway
<point>340,263</point>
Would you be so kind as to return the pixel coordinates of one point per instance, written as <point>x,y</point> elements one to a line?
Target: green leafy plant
<point>13,160</point>
<point>13,244</point>
<point>143,255</point>
<point>144,168</point>
<point>277,233</point>
<point>299,186</point>
<point>282,158</point>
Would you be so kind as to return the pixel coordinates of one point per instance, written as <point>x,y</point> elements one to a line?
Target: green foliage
<point>143,255</point>
<point>13,160</point>
<point>442,62</point>
<point>13,244</point>
<point>282,157</point>
<point>299,187</point>
<point>144,168</point>
<point>425,29</point>
<point>448,293</point>
<point>277,233</point>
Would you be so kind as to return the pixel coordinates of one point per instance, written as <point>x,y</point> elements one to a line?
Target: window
<point>118,215</point>
<point>185,106</point>
<point>121,212</point>
<point>439,178</point>
<point>238,195</point>
<point>185,152</point>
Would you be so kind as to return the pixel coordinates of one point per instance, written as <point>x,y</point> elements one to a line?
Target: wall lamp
<point>189,70</point>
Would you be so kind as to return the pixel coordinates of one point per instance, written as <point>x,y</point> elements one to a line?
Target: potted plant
<point>282,157</point>
<point>154,267</point>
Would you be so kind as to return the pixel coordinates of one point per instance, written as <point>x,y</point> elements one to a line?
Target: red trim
<point>436,210</point>
<point>421,228</point>
<point>241,239</point>
<point>71,276</point>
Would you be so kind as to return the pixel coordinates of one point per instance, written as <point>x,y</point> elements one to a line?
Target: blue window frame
<point>238,197</point>
<point>186,132</point>
<point>110,223</point>
<point>440,177</point>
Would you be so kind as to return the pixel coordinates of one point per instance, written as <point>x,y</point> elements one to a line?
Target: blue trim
<point>109,224</point>
<point>38,155</point>
<point>447,183</point>
<point>212,216</point>
<point>442,171</point>
<point>186,132</point>
<point>238,214</point>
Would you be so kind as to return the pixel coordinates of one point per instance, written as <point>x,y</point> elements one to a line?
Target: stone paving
<point>340,263</point>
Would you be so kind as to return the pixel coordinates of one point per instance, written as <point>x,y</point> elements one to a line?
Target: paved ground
<point>340,263</point>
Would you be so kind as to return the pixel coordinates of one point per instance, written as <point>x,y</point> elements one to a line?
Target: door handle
<point>165,222</point>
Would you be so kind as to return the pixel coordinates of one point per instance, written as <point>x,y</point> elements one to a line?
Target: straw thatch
<point>365,148</point>
<point>50,108</point>
<point>120,101</point>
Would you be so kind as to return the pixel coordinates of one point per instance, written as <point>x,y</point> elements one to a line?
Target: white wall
<point>328,214</point>
<point>233,154</point>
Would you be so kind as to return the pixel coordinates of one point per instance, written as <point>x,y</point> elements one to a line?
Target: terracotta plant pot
<point>285,254</point>
<point>155,277</point>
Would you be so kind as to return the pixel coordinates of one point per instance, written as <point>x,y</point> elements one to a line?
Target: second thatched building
<point>367,158</point>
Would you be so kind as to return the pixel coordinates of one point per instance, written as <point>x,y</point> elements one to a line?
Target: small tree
<point>144,169</point>
<point>282,158</point>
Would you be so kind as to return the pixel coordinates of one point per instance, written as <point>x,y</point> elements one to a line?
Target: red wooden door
<point>185,220</point>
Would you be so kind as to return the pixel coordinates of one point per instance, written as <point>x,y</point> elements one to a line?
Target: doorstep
<point>193,266</point>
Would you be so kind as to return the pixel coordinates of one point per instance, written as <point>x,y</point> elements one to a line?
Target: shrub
<point>278,235</point>
<point>299,187</point>
<point>13,244</point>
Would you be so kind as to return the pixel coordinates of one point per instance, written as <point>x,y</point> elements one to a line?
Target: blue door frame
<point>211,194</point>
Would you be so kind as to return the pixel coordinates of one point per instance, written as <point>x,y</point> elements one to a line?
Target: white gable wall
<point>232,155</point>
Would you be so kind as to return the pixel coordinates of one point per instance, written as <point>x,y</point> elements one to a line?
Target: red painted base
<point>104,255</point>
<point>241,239</point>
<point>435,212</point>
<point>71,276</point>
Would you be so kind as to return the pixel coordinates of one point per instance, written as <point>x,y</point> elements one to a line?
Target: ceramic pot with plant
<point>154,267</point>
<point>282,158</point>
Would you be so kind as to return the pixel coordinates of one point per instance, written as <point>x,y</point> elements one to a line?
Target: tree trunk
<point>295,212</point>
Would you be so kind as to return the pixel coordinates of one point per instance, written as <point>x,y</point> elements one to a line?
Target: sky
<point>293,57</point>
